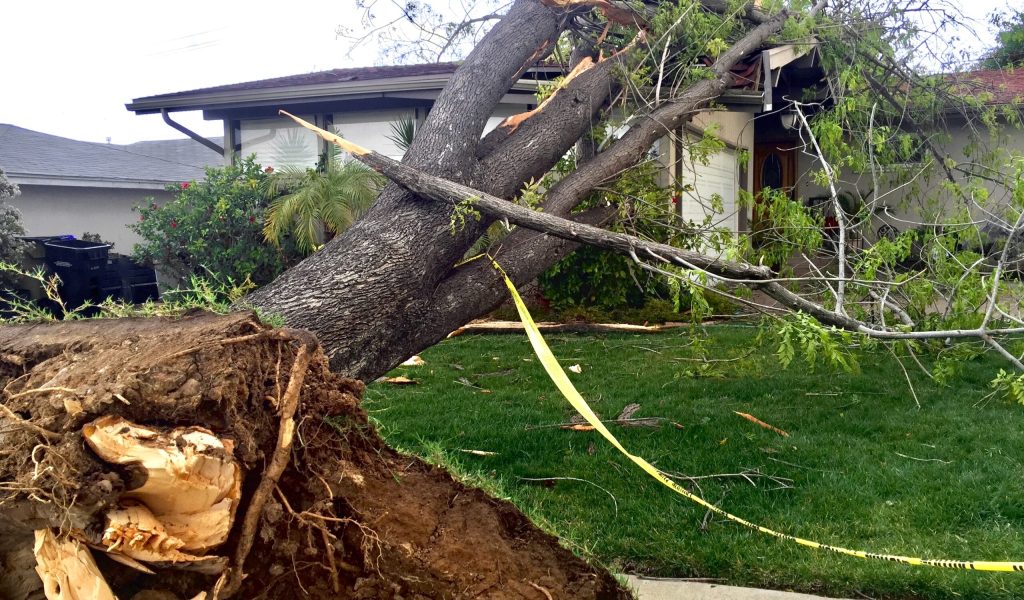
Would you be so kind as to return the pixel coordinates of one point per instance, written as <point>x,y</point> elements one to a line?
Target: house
<point>762,148</point>
<point>73,187</point>
<point>362,104</point>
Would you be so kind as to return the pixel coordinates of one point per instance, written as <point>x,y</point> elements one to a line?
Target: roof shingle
<point>323,77</point>
<point>24,152</point>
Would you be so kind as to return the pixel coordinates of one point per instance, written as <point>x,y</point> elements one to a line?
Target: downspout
<point>212,146</point>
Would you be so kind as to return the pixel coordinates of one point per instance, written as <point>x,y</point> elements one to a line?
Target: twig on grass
<point>910,383</point>
<point>639,421</point>
<point>938,460</point>
<point>785,462</point>
<point>747,474</point>
<point>552,479</point>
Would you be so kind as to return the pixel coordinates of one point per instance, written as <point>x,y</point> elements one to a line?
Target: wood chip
<point>400,380</point>
<point>578,427</point>
<point>479,452</point>
<point>757,421</point>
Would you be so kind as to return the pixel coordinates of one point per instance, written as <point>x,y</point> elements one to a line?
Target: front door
<point>775,168</point>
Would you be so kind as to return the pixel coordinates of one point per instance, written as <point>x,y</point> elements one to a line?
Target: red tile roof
<point>994,86</point>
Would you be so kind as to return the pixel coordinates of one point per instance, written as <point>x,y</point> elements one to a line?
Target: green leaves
<point>309,203</point>
<point>1010,384</point>
<point>801,334</point>
<point>213,228</point>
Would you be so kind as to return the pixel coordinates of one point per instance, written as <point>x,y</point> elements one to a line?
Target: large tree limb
<point>545,133</point>
<point>662,121</point>
<point>761,277</point>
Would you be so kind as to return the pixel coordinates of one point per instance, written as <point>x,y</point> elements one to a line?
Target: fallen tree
<point>394,283</point>
<point>92,410</point>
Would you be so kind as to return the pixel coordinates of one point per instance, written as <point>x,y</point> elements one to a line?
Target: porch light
<point>788,119</point>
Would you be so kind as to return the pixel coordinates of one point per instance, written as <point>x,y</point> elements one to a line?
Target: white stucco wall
<point>57,210</point>
<point>278,143</point>
<point>922,199</point>
<point>722,175</point>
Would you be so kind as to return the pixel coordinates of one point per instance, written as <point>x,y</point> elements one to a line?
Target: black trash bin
<point>80,265</point>
<point>124,279</point>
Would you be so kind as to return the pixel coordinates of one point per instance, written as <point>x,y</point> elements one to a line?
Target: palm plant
<point>402,133</point>
<point>312,205</point>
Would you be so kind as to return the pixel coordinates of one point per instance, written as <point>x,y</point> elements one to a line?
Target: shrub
<point>11,248</point>
<point>599,278</point>
<point>213,228</point>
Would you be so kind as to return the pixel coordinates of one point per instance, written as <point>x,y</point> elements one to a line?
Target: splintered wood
<point>185,507</point>
<point>68,570</point>
<point>618,13</point>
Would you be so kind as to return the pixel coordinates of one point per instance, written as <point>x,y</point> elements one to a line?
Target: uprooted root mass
<point>325,510</point>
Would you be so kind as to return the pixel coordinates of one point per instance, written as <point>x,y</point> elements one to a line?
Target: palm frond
<point>402,133</point>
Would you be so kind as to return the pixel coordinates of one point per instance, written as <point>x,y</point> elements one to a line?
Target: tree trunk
<point>388,287</point>
<point>324,509</point>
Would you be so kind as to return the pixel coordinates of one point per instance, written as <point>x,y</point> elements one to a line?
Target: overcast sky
<point>70,66</point>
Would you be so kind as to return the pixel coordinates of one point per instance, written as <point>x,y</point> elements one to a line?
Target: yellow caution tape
<point>561,380</point>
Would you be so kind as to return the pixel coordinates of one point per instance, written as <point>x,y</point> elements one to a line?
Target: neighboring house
<point>901,204</point>
<point>73,187</point>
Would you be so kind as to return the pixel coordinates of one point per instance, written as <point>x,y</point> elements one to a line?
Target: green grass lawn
<point>869,469</point>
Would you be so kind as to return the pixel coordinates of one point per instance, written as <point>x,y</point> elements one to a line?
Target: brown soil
<point>350,511</point>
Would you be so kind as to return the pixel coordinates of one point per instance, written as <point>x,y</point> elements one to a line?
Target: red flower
<point>268,170</point>
<point>252,219</point>
<point>185,185</point>
<point>174,223</point>
<point>675,199</point>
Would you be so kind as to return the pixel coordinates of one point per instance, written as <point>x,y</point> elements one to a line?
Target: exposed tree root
<point>324,508</point>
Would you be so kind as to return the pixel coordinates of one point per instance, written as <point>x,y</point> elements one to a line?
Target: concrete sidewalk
<point>677,589</point>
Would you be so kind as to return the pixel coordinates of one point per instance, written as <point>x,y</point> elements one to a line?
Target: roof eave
<point>96,182</point>
<point>230,98</point>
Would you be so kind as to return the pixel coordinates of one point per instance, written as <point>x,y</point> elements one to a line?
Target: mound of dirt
<point>347,516</point>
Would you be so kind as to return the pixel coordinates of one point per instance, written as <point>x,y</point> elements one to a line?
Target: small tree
<point>309,203</point>
<point>1009,50</point>
<point>213,228</point>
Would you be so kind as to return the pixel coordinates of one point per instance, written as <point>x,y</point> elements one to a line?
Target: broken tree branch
<point>761,277</point>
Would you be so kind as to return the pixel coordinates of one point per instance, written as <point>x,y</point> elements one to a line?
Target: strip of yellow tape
<point>561,380</point>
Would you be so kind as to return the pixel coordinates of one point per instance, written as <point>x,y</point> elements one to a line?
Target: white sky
<point>68,67</point>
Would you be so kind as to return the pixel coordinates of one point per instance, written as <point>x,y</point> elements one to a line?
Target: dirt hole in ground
<point>347,517</point>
